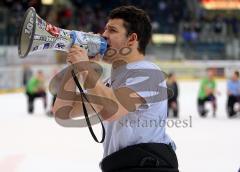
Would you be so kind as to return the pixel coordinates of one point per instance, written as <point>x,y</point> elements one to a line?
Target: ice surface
<point>36,143</point>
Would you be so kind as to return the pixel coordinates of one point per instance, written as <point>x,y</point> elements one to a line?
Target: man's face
<point>40,76</point>
<point>234,77</point>
<point>210,74</point>
<point>115,34</point>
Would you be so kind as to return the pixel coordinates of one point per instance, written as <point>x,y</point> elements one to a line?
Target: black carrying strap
<point>83,96</point>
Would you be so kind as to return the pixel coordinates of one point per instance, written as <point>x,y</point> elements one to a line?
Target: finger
<point>75,46</point>
<point>78,47</point>
<point>73,51</point>
<point>68,59</point>
<point>68,62</point>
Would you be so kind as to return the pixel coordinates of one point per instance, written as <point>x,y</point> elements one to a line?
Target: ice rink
<point>36,143</point>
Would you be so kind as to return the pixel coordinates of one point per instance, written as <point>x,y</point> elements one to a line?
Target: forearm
<point>101,97</point>
<point>67,91</point>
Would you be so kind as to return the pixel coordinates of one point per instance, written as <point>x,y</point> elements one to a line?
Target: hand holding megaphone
<point>39,35</point>
<point>76,54</point>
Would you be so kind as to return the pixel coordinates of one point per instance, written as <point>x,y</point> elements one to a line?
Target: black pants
<point>201,105</point>
<point>173,109</point>
<point>145,157</point>
<point>232,100</point>
<point>32,97</point>
<point>54,97</point>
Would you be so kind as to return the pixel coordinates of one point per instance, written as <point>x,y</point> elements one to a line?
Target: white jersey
<point>146,124</point>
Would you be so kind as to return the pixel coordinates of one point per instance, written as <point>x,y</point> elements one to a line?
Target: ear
<point>132,39</point>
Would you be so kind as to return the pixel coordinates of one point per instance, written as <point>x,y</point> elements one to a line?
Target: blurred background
<point>189,37</point>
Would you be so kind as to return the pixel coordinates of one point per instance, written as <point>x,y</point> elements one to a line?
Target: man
<point>233,91</point>
<point>35,88</point>
<point>207,93</point>
<point>27,74</point>
<point>173,99</point>
<point>137,95</point>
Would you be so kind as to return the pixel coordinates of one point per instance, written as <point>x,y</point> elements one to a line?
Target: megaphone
<point>38,35</point>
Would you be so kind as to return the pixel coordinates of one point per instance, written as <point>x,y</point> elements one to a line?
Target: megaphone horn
<point>36,34</point>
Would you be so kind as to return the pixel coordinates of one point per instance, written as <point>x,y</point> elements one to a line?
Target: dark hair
<point>209,69</point>
<point>171,74</point>
<point>135,21</point>
<point>236,73</point>
<point>40,71</point>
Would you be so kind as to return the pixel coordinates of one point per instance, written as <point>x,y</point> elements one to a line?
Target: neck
<point>132,57</point>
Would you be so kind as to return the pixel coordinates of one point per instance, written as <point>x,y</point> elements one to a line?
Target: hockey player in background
<point>207,93</point>
<point>36,88</point>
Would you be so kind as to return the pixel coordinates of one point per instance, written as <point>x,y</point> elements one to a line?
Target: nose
<point>105,35</point>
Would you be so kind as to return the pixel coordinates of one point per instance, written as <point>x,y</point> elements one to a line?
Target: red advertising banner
<point>221,4</point>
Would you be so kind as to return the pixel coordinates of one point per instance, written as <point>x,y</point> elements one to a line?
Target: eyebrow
<point>111,27</point>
